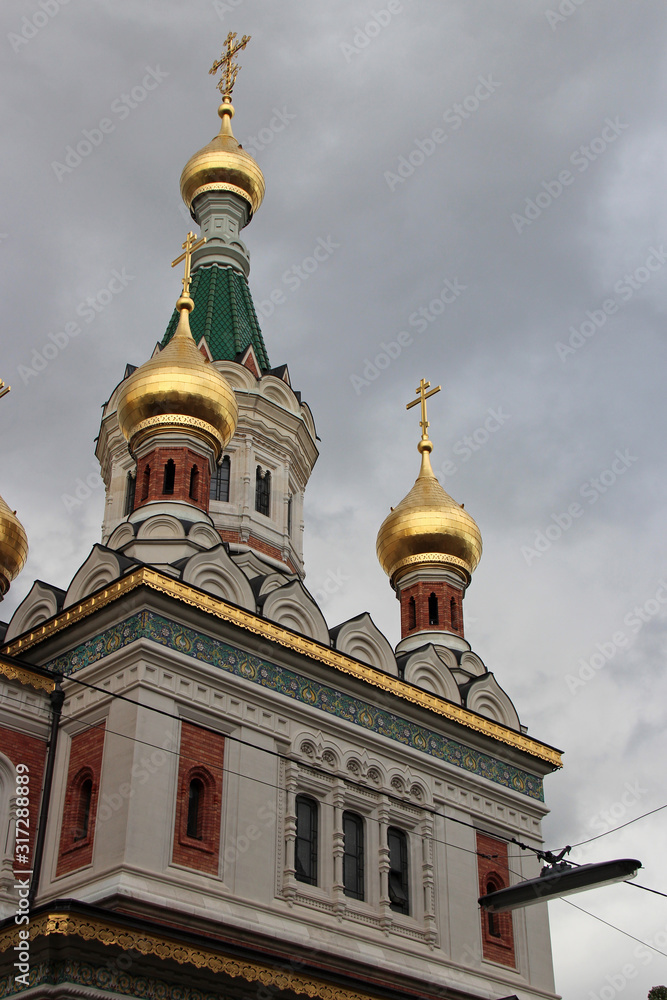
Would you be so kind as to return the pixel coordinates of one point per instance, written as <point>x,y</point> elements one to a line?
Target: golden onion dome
<point>428,528</point>
<point>13,547</point>
<point>178,390</point>
<point>223,165</point>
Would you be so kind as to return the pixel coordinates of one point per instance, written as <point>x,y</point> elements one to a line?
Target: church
<point>207,790</point>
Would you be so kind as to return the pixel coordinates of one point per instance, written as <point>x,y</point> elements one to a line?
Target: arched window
<point>493,919</point>
<point>412,614</point>
<point>196,793</point>
<point>169,477</point>
<point>433,616</point>
<point>145,483</point>
<point>289,516</point>
<point>220,481</point>
<point>454,611</point>
<point>399,889</point>
<point>305,848</point>
<point>263,492</point>
<point>84,793</point>
<point>353,855</point>
<point>130,487</point>
<point>194,483</point>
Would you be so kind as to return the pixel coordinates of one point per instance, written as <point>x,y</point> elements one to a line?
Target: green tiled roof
<point>224,313</point>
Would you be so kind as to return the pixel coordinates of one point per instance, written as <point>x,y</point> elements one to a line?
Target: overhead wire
<point>348,780</point>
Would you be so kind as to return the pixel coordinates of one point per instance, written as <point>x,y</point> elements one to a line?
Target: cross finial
<point>230,69</point>
<point>191,243</point>
<point>4,389</point>
<point>423,396</point>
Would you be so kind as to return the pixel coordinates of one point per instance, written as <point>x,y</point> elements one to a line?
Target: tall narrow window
<point>412,614</point>
<point>289,516</point>
<point>399,899</point>
<point>433,616</point>
<point>220,481</point>
<point>454,612</point>
<point>305,851</point>
<point>263,492</point>
<point>194,483</point>
<point>146,483</point>
<point>195,809</point>
<point>130,487</point>
<point>83,809</point>
<point>492,919</point>
<point>353,855</point>
<point>169,477</point>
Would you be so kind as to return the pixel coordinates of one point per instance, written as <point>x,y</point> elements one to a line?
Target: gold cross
<point>191,243</point>
<point>423,396</point>
<point>229,68</point>
<point>4,389</point>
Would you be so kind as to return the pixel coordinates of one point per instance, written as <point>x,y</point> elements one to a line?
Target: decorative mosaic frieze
<point>173,635</point>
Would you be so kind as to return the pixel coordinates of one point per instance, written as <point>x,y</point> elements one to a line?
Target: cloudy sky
<point>490,177</point>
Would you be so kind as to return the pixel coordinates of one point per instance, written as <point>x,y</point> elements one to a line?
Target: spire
<point>177,412</point>
<point>13,539</point>
<point>429,546</point>
<point>223,187</point>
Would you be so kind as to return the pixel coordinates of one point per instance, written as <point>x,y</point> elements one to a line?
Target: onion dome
<point>13,547</point>
<point>223,165</point>
<point>428,528</point>
<point>178,389</point>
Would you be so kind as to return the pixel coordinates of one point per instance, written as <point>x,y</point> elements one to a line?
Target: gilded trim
<point>146,943</point>
<point>300,644</point>
<point>24,676</point>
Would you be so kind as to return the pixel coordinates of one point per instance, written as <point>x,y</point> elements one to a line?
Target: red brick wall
<point>30,750</point>
<point>445,592</point>
<point>85,761</point>
<point>497,947</point>
<point>259,546</point>
<point>184,459</point>
<point>201,757</point>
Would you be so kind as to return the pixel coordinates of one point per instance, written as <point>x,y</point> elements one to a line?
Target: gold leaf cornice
<point>24,676</point>
<point>301,644</point>
<point>147,943</point>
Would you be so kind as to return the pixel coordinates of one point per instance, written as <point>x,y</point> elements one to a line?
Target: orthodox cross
<point>423,396</point>
<point>230,69</point>
<point>4,389</point>
<point>191,243</point>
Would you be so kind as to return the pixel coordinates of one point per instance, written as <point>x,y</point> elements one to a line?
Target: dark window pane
<point>263,492</point>
<point>353,855</point>
<point>195,797</point>
<point>169,477</point>
<point>130,487</point>
<point>306,840</point>
<point>433,616</point>
<point>397,842</point>
<point>83,810</point>
<point>220,481</point>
